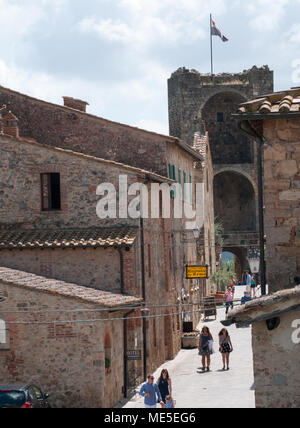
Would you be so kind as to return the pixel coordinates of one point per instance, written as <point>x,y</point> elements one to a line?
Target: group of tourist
<point>206,343</point>
<point>161,391</point>
<point>249,294</point>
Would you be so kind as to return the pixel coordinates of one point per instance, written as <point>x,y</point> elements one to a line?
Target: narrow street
<point>216,389</point>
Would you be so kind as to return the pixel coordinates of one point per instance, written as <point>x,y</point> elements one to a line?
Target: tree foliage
<point>223,277</point>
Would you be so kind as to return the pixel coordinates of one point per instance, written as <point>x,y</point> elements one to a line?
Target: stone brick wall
<point>276,364</point>
<point>95,268</point>
<point>189,91</point>
<point>198,103</point>
<point>60,126</point>
<point>21,165</point>
<point>282,196</point>
<point>66,360</point>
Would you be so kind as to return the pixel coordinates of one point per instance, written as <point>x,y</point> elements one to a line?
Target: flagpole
<point>211,49</point>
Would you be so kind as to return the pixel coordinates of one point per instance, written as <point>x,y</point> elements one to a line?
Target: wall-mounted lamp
<point>254,260</point>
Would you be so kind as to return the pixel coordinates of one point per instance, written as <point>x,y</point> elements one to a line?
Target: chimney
<point>75,104</point>
<point>10,125</point>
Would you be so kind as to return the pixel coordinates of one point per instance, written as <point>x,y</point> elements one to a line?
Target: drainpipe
<point>261,218</point>
<point>143,296</point>
<point>125,350</point>
<point>121,270</point>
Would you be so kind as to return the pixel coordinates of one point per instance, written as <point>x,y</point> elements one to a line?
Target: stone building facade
<point>67,241</point>
<point>274,120</point>
<point>58,335</point>
<point>71,127</point>
<point>275,324</point>
<point>200,103</point>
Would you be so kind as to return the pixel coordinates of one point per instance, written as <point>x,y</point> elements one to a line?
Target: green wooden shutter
<point>180,182</point>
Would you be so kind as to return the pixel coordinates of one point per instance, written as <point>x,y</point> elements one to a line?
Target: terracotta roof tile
<point>84,238</point>
<point>56,287</point>
<point>200,145</point>
<point>278,103</point>
<point>265,307</point>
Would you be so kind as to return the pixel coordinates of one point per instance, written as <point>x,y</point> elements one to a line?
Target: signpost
<point>196,272</point>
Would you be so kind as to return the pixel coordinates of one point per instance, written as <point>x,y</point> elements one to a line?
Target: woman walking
<point>225,346</point>
<point>164,385</point>
<point>204,348</point>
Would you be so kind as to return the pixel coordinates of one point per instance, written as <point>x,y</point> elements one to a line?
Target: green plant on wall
<point>223,277</point>
<point>219,232</point>
<point>107,363</point>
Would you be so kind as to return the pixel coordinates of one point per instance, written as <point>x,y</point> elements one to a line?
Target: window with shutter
<point>50,192</point>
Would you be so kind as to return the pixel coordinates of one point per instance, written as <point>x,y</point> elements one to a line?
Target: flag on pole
<point>216,32</point>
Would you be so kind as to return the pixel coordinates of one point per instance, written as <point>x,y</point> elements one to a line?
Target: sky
<point>118,54</point>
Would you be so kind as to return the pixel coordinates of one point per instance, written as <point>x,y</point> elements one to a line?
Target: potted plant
<point>190,340</point>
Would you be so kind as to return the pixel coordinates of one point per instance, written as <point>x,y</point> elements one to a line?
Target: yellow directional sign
<point>193,272</point>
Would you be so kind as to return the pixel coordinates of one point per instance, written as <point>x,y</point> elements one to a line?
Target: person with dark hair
<point>229,296</point>
<point>297,280</point>
<point>205,348</point>
<point>164,385</point>
<point>150,391</point>
<point>225,346</point>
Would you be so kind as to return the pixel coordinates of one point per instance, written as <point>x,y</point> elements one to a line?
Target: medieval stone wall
<point>189,91</point>
<point>66,360</point>
<point>281,198</point>
<point>276,364</point>
<point>72,129</point>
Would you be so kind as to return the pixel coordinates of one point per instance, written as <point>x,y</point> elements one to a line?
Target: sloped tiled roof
<point>276,104</point>
<point>47,285</point>
<point>84,238</point>
<point>265,308</point>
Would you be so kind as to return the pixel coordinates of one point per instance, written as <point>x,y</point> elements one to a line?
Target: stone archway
<point>240,259</point>
<point>235,202</point>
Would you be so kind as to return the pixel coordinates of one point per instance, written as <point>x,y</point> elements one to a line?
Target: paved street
<point>217,389</point>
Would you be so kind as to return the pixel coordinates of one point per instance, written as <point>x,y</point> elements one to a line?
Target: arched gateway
<point>199,103</point>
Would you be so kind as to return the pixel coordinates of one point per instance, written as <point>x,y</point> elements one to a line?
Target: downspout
<point>143,296</point>
<point>122,288</point>
<point>261,219</point>
<point>125,350</point>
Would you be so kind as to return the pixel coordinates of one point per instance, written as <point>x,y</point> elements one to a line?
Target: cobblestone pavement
<point>216,389</point>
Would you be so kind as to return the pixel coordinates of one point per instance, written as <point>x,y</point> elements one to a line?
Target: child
<point>169,402</point>
<point>246,298</point>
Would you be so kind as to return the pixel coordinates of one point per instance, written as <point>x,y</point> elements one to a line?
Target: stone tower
<point>198,102</point>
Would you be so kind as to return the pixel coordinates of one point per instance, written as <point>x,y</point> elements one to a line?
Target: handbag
<point>211,346</point>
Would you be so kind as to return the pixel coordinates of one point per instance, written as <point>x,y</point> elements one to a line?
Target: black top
<point>164,389</point>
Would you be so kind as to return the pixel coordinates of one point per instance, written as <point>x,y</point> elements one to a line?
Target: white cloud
<point>162,22</point>
<point>267,13</point>
<point>294,34</point>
